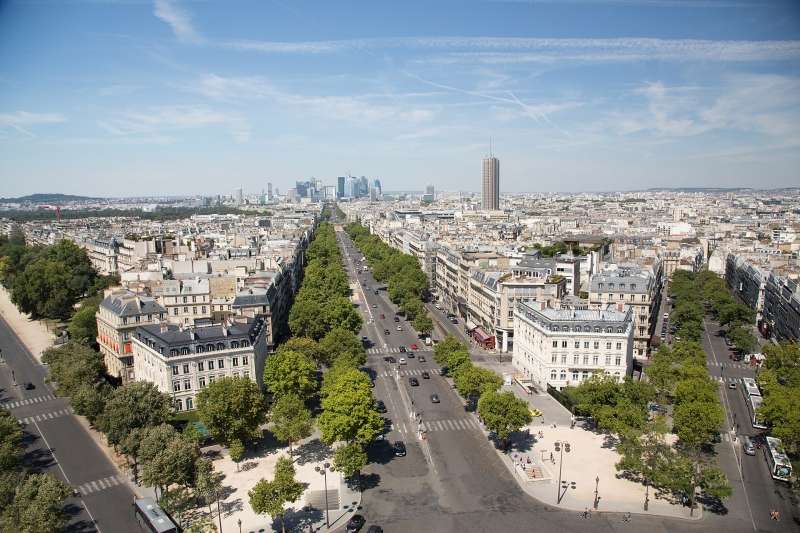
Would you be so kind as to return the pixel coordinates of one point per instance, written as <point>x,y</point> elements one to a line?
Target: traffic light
<point>566,447</point>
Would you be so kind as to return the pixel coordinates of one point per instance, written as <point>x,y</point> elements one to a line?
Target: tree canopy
<point>135,405</point>
<point>503,412</point>
<point>232,408</point>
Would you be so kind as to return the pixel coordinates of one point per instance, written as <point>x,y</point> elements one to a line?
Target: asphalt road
<point>56,443</point>
<point>755,492</point>
<point>453,480</point>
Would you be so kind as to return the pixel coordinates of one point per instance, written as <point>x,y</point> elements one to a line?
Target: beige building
<point>185,301</point>
<point>118,316</point>
<point>490,201</point>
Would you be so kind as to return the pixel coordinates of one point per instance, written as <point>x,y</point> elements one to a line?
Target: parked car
<point>355,523</point>
<point>391,359</point>
<point>403,361</point>
<point>399,449</point>
<point>732,385</point>
<point>374,306</point>
<point>375,529</point>
<point>376,291</point>
<point>386,332</point>
<point>380,406</point>
<point>396,318</point>
<point>29,386</point>
<point>399,328</point>
<point>421,359</point>
<point>426,375</point>
<point>414,347</point>
<point>454,320</point>
<point>414,382</point>
<point>402,349</point>
<point>434,398</point>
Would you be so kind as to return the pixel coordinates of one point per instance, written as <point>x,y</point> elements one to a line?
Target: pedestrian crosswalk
<point>395,349</point>
<point>743,366</point>
<point>410,372</point>
<point>47,416</point>
<point>28,401</point>
<point>451,424</point>
<point>100,484</point>
<point>726,379</point>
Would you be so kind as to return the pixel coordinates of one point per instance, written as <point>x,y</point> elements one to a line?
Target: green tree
<point>207,482</point>
<point>423,324</point>
<point>471,381</point>
<point>348,409</point>
<point>232,408</point>
<point>696,422</point>
<point>781,410</point>
<point>10,441</point>
<point>135,405</point>
<point>166,458</point>
<point>308,347</point>
<point>269,497</point>
<point>742,338</point>
<point>236,450</point>
<point>349,459</point>
<point>448,345</point>
<point>89,400</point>
<point>83,324</point>
<point>503,413</point>
<point>338,311</point>
<point>291,419</point>
<point>304,319</point>
<point>73,365</point>
<point>696,389</point>
<point>289,372</point>
<point>340,345</point>
<point>38,506</point>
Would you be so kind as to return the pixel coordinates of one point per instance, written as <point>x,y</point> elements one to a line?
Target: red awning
<point>480,335</point>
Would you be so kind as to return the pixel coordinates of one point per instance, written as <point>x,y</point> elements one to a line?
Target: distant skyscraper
<point>340,187</point>
<point>269,192</point>
<point>239,196</point>
<point>430,194</point>
<point>376,184</point>
<point>491,183</point>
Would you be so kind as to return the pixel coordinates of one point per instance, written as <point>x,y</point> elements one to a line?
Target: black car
<point>402,349</point>
<point>380,406</point>
<point>375,529</point>
<point>410,355</point>
<point>421,359</point>
<point>386,332</point>
<point>355,523</point>
<point>376,291</point>
<point>397,318</point>
<point>29,386</point>
<point>434,398</point>
<point>399,449</point>
<point>391,359</point>
<point>425,375</point>
<point>414,382</point>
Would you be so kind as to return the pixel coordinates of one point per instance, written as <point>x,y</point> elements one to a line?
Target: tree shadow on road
<point>72,511</point>
<point>370,481</point>
<point>380,452</point>
<point>299,519</point>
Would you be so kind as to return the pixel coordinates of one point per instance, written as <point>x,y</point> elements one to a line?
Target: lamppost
<point>561,447</point>
<point>596,486</point>
<point>219,512</point>
<point>324,472</point>
<point>239,521</point>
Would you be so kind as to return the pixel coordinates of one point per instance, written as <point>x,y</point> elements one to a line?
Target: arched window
<point>220,346</point>
<point>209,347</point>
<point>234,344</point>
<point>179,405</point>
<point>597,330</point>
<point>245,344</point>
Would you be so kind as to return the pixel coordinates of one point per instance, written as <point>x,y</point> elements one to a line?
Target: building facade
<point>490,201</point>
<point>181,361</point>
<point>118,316</point>
<point>564,347</point>
<point>635,286</point>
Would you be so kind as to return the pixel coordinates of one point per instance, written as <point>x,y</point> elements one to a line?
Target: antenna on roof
<point>490,147</point>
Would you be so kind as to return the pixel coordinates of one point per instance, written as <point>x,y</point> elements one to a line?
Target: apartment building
<point>781,316</point>
<point>118,316</point>
<point>635,285</point>
<point>186,301</point>
<point>564,347</point>
<point>746,281</point>
<point>181,361</point>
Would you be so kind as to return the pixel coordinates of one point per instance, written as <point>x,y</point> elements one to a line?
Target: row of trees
<point>29,502</point>
<point>695,294</point>
<point>501,412</point>
<point>779,380</point>
<point>677,376</point>
<point>406,283</point>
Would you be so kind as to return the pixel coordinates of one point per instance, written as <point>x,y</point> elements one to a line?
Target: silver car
<point>747,445</point>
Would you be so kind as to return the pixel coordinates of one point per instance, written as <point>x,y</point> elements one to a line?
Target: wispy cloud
<point>361,109</point>
<point>22,120</point>
<point>154,121</point>
<point>178,19</point>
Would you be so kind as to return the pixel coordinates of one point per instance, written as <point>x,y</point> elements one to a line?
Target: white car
<point>403,361</point>
<point>399,328</point>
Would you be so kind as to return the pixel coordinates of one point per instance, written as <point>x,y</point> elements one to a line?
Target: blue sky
<point>125,98</point>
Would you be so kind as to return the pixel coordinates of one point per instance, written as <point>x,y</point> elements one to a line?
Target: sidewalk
<point>33,333</point>
<point>307,513</point>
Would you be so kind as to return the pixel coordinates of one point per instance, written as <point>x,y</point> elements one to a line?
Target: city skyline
<point>663,94</point>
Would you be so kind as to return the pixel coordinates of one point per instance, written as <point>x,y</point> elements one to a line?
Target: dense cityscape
<point>416,267</point>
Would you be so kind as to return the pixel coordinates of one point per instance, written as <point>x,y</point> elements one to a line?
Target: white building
<point>181,361</point>
<point>563,347</point>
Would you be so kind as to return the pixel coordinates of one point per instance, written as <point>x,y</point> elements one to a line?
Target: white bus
<point>779,465</point>
<point>753,399</point>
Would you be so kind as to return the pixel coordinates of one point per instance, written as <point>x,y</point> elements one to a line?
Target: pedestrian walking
<point>626,517</point>
<point>586,513</point>
<point>552,459</point>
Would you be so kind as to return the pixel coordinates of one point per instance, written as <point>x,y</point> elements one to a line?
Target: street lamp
<point>561,447</point>
<point>324,472</point>
<point>219,513</point>
<point>239,521</point>
<point>596,486</point>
